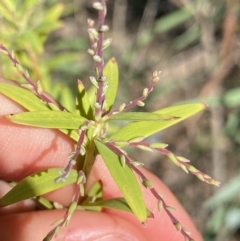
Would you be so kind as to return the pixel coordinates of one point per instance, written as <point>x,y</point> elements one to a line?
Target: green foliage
<point>123,175</point>
<point>145,129</point>
<point>111,70</point>
<point>37,184</point>
<point>47,119</point>
<point>86,120</point>
<point>23,97</point>
<point>26,28</point>
<point>224,205</point>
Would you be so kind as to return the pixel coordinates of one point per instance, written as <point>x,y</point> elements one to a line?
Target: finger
<point>25,150</point>
<point>26,205</point>
<point>161,223</point>
<point>91,226</point>
<point>42,148</point>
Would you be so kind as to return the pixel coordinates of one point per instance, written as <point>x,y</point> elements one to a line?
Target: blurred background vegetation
<point>195,43</point>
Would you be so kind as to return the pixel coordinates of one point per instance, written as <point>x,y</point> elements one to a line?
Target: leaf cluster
<point>88,124</point>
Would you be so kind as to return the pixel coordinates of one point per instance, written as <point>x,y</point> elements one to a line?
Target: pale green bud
<point>192,169</point>
<point>147,183</point>
<point>94,81</point>
<point>57,222</point>
<point>158,145</point>
<point>71,154</point>
<point>104,28</point>
<point>90,51</point>
<point>145,148</point>
<point>57,231</point>
<point>39,87</point>
<point>97,105</point>
<point>155,79</point>
<point>72,208</point>
<point>27,86</point>
<point>178,226</point>
<point>97,58</point>
<point>121,107</point>
<point>103,78</point>
<point>137,164</point>
<point>183,159</point>
<point>90,22</point>
<point>186,231</point>
<point>19,68</point>
<point>145,92</point>
<point>155,74</point>
<point>160,205</point>
<point>107,42</point>
<point>13,54</point>
<point>27,74</point>
<point>98,6</point>
<point>93,32</point>
<point>140,103</point>
<point>184,168</point>
<point>169,208</point>
<point>123,160</point>
<point>82,151</point>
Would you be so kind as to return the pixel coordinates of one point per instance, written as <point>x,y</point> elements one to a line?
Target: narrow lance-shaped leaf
<point>48,119</point>
<point>114,203</point>
<point>37,184</point>
<point>96,190</point>
<point>22,96</point>
<point>29,101</point>
<point>65,97</point>
<point>147,128</point>
<point>142,116</point>
<point>125,180</point>
<point>111,71</point>
<point>83,106</point>
<point>92,95</point>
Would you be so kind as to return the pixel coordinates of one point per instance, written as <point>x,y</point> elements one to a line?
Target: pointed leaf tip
<point>147,128</point>
<point>37,184</point>
<point>111,71</point>
<point>125,180</point>
<point>48,119</point>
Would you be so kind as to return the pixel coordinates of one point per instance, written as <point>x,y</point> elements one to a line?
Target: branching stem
<point>159,198</point>
<point>43,96</point>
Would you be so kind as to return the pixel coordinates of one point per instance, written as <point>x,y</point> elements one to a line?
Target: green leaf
<point>142,116</point>
<point>92,95</point>
<point>37,184</point>
<point>23,97</point>
<point>31,38</point>
<point>114,203</point>
<point>125,180</point>
<point>96,190</point>
<point>111,71</point>
<point>172,20</point>
<point>82,102</point>
<point>66,98</point>
<point>29,101</point>
<point>48,119</point>
<point>54,13</point>
<point>147,128</point>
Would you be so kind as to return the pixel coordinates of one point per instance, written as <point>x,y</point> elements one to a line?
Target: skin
<point>25,150</point>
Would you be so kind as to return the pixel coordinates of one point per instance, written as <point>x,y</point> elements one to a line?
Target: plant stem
<point>100,65</point>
